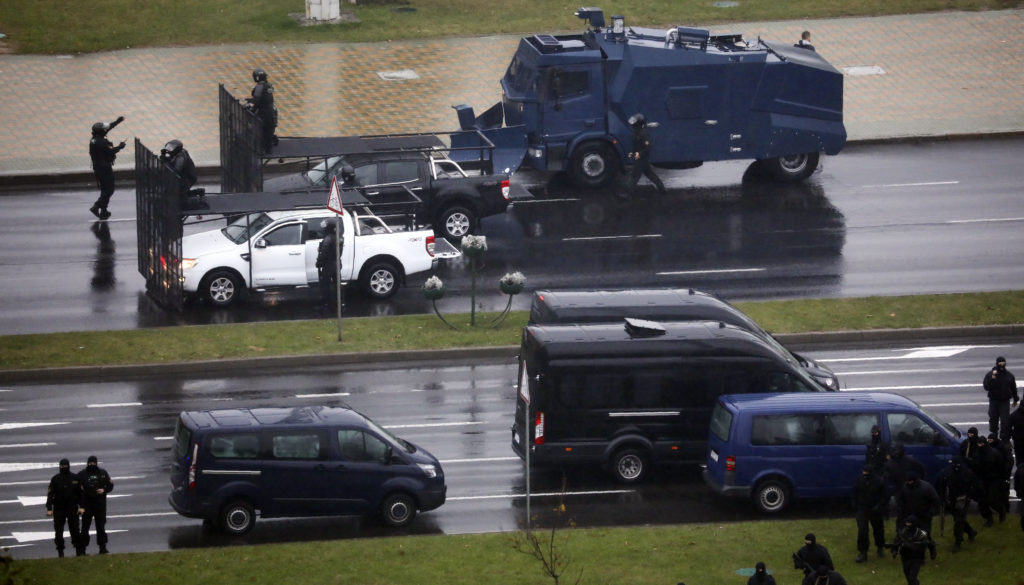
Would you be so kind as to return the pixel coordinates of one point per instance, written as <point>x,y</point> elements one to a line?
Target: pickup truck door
<point>278,256</point>
<point>393,177</point>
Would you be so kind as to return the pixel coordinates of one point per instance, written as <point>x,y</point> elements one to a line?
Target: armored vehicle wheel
<point>792,168</point>
<point>380,280</point>
<point>593,165</point>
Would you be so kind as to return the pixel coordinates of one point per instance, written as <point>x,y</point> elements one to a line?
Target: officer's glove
<point>934,554</point>
<point>119,120</point>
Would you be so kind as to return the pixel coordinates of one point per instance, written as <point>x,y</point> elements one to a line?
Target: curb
<point>429,357</point>
<point>85,178</point>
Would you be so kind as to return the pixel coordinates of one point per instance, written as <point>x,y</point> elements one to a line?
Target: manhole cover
<point>400,75</point>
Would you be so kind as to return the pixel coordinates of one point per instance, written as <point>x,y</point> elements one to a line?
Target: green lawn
<point>695,554</point>
<point>60,26</point>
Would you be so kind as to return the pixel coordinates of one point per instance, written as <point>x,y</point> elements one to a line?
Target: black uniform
<point>811,556</point>
<point>870,500</point>
<point>642,155</point>
<point>760,576</point>
<point>1006,455</point>
<point>987,463</point>
<point>877,452</point>
<point>180,162</point>
<point>103,154</point>
<point>957,485</point>
<point>1018,485</point>
<point>1017,432</point>
<point>63,499</point>
<point>262,104</point>
<point>96,485</point>
<point>824,576</point>
<point>918,499</point>
<point>1001,387</point>
<point>327,265</point>
<point>910,544</point>
<point>899,466</point>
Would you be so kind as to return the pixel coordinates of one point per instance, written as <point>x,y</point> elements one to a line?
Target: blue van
<point>309,461</point>
<point>776,447</point>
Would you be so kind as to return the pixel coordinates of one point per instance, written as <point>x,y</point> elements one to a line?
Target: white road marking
<point>538,495</point>
<point>624,237</point>
<point>992,220</point>
<point>722,271</point>
<point>11,426</point>
<point>429,425</point>
<point>45,535</point>
<point>113,404</point>
<point>928,184</point>
<point>8,467</point>
<point>478,460</point>
<point>325,395</point>
<point>21,445</point>
<point>28,501</point>
<point>109,517</point>
<point>911,387</point>
<point>914,353</point>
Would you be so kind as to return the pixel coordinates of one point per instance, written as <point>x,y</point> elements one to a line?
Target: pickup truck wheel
<point>455,222</point>
<point>593,165</point>
<point>792,168</point>
<point>380,281</point>
<point>220,288</point>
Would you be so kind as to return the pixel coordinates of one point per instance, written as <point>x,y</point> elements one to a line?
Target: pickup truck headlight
<point>188,263</point>
<point>429,469</point>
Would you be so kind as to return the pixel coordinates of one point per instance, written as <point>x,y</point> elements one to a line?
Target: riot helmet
<point>347,173</point>
<point>100,129</point>
<point>637,120</point>
<point>327,225</point>
<point>258,75</point>
<point>171,149</point>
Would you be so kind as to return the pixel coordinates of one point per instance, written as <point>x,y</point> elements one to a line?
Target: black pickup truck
<point>449,197</point>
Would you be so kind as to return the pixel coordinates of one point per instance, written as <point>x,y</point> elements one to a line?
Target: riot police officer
<point>96,484</point>
<point>103,153</point>
<point>262,104</point>
<point>327,264</point>
<point>641,154</point>
<point>63,504</point>
<point>174,155</point>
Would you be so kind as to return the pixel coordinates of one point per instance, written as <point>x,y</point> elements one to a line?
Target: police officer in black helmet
<point>63,504</point>
<point>174,155</point>
<point>103,153</point>
<point>641,154</point>
<point>96,485</point>
<point>262,104</point>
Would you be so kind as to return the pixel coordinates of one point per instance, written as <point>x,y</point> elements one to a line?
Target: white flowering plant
<point>474,245</point>
<point>512,283</point>
<point>433,288</point>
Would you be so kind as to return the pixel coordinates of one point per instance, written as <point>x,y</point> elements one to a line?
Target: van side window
<point>788,429</point>
<point>235,446</point>
<point>295,446</point>
<point>910,429</point>
<point>850,429</point>
<point>357,445</point>
<point>786,382</point>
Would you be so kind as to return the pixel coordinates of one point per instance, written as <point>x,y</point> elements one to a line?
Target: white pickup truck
<point>277,249</point>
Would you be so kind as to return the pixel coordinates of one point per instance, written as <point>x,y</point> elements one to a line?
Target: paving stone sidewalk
<point>947,73</point>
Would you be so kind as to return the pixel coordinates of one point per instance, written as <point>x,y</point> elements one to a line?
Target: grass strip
<point>695,554</point>
<point>41,26</point>
<point>370,334</point>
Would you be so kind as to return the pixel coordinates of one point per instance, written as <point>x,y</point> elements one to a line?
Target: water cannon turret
<point>593,16</point>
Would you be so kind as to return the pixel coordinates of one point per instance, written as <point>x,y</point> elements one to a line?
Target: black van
<point>306,461</point>
<point>628,394</point>
<point>659,304</point>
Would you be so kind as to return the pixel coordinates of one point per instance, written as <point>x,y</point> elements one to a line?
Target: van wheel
<point>398,510</point>
<point>629,465</point>
<point>237,518</point>
<point>771,496</point>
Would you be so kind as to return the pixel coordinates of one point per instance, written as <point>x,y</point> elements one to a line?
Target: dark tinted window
<point>358,445</point>
<point>401,171</point>
<point>788,429</point>
<point>288,235</point>
<point>568,83</point>
<point>295,446</point>
<point>721,422</point>
<point>182,440</point>
<point>910,429</point>
<point>850,429</point>
<point>235,446</point>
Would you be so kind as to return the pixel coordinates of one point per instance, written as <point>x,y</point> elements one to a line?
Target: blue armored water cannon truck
<point>567,100</point>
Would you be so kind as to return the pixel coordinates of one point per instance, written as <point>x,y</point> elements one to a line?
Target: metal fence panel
<point>158,225</point>
<point>241,137</point>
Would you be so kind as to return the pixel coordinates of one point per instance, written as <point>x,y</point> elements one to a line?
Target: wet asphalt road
<point>886,219</point>
<point>460,411</point>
